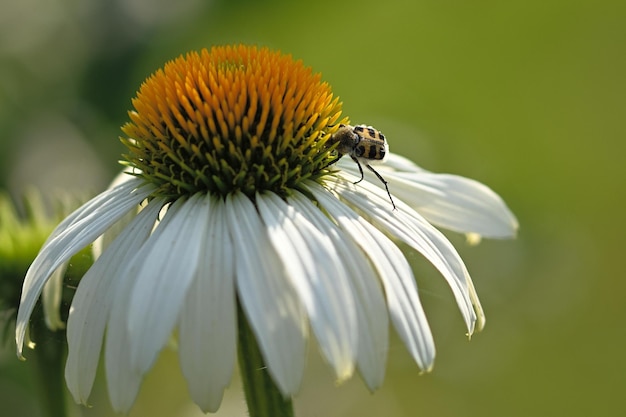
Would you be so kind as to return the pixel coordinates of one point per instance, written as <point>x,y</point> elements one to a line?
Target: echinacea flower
<point>232,208</point>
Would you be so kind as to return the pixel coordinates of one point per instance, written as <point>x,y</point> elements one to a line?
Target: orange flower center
<point>235,118</point>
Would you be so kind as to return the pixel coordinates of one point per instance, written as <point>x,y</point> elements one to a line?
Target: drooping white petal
<point>268,298</point>
<point>370,308</point>
<point>105,239</point>
<point>319,277</point>
<point>408,226</point>
<point>91,305</point>
<point>455,203</point>
<point>395,274</point>
<point>100,244</point>
<point>123,379</point>
<point>98,202</point>
<point>478,308</point>
<point>74,233</point>
<point>392,160</point>
<point>208,324</point>
<point>51,299</point>
<point>450,201</point>
<point>170,262</point>
<point>401,163</point>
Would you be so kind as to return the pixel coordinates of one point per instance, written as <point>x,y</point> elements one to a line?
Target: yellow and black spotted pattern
<point>363,144</point>
<point>371,143</point>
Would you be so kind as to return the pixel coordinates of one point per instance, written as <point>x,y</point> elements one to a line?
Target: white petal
<point>91,305</point>
<point>123,380</point>
<point>392,160</point>
<point>455,203</point>
<point>408,226</point>
<point>132,187</point>
<point>207,330</point>
<point>395,274</point>
<point>450,201</point>
<point>170,261</point>
<point>100,244</point>
<point>124,176</point>
<point>271,304</point>
<point>370,307</point>
<point>74,233</point>
<point>401,163</point>
<point>318,275</point>
<point>51,299</point>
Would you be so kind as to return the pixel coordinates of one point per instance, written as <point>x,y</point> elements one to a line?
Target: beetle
<point>364,144</point>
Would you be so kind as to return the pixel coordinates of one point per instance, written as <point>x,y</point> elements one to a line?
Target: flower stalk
<point>263,397</point>
<point>49,359</point>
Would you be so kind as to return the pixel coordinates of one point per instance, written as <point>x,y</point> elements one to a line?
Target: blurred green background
<point>528,97</point>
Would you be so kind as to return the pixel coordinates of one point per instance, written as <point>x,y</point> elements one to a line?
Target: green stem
<point>263,397</point>
<point>49,358</point>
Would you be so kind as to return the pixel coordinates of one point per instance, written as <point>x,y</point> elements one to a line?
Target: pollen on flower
<point>232,118</point>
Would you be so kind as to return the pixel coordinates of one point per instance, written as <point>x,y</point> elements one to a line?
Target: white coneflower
<point>258,228</point>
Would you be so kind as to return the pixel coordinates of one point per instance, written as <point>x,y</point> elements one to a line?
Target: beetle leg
<point>360,168</point>
<point>380,177</point>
